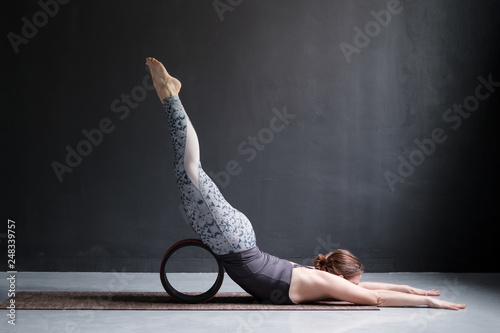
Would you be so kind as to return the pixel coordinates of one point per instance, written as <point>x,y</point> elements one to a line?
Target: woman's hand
<point>440,304</point>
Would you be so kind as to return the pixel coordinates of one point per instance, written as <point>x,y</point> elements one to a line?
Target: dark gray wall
<point>325,177</point>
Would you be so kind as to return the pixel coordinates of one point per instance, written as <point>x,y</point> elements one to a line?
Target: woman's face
<point>355,279</point>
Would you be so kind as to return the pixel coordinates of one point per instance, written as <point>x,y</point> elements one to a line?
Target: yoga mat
<point>223,301</point>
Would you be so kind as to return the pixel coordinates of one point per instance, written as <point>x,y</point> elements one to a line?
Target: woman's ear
<point>341,276</point>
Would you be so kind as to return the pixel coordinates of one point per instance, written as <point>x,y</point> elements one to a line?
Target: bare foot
<point>164,84</point>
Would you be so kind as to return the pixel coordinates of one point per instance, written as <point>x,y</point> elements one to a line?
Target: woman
<point>230,235</point>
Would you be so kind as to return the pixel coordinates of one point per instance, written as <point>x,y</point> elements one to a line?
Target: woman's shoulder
<point>295,265</point>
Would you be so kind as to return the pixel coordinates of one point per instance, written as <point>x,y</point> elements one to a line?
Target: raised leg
<point>219,225</point>
<point>167,86</point>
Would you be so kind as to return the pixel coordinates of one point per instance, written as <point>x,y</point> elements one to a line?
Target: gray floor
<point>481,292</point>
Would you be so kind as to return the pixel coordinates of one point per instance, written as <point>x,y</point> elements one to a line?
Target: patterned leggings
<point>221,227</point>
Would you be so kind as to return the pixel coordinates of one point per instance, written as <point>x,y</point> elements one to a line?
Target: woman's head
<point>340,262</point>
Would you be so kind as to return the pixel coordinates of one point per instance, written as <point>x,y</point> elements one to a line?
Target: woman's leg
<point>220,226</point>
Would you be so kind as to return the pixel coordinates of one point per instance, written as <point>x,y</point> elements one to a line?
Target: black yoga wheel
<point>189,298</point>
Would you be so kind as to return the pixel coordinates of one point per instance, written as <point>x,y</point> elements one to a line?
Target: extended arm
<point>399,287</point>
<point>312,285</point>
<point>395,298</point>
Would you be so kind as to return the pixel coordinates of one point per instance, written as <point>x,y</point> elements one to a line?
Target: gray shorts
<point>260,274</point>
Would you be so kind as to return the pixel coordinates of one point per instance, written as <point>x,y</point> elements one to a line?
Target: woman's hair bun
<point>320,262</point>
